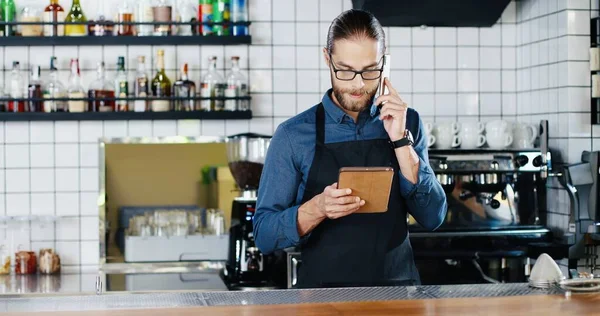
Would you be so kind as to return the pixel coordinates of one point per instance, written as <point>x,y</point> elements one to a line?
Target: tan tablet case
<point>372,184</point>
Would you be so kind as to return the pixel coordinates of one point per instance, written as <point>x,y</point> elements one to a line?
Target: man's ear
<point>326,56</point>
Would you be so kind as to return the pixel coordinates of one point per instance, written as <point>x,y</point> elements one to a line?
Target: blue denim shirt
<point>291,154</point>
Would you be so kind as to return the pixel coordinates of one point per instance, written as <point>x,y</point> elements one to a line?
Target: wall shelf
<point>125,40</point>
<point>113,116</point>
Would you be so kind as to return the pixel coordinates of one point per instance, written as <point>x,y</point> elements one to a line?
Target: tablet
<point>372,184</point>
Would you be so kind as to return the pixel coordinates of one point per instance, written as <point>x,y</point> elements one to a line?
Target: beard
<point>349,103</point>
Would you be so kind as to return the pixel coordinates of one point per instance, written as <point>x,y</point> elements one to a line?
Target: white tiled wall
<point>531,65</point>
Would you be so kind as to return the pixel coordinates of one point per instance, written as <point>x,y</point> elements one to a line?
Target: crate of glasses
<point>175,234</point>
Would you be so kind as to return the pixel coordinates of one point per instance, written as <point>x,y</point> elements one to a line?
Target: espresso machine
<point>247,268</point>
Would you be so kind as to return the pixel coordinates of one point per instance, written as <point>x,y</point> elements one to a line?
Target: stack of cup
<point>524,135</point>
<point>471,135</point>
<point>430,137</point>
<point>445,135</point>
<point>499,134</point>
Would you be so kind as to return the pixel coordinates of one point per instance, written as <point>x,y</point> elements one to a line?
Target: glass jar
<point>4,260</point>
<point>30,15</point>
<point>25,262</point>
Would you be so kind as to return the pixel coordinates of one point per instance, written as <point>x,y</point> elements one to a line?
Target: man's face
<point>354,95</point>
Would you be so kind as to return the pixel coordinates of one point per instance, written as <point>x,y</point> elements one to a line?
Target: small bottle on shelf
<point>76,15</point>
<point>16,89</point>
<point>237,86</point>
<point>221,15</point>
<point>239,13</point>
<point>161,85</point>
<point>75,90</point>
<point>212,87</point>
<point>34,91</point>
<point>205,17</point>
<point>141,86</point>
<point>125,15</point>
<point>52,14</point>
<point>184,91</point>
<point>122,86</point>
<point>144,14</point>
<point>54,90</point>
<point>9,14</point>
<point>30,15</point>
<point>162,11</point>
<point>101,92</point>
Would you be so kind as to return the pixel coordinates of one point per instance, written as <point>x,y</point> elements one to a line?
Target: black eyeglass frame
<point>335,71</point>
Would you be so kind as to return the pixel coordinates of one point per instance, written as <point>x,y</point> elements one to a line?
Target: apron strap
<point>320,124</point>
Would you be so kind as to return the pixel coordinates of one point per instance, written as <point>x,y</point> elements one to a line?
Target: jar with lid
<point>4,260</point>
<point>25,262</point>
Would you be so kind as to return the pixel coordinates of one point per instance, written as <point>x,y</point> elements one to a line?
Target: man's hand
<point>393,112</point>
<point>335,203</point>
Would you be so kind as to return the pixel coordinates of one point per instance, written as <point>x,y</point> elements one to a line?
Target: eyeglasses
<point>349,75</point>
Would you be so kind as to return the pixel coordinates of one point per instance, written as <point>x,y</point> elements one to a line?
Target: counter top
<point>412,300</point>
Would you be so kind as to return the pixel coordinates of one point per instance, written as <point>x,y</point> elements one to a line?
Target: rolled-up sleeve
<point>275,220</point>
<point>426,198</point>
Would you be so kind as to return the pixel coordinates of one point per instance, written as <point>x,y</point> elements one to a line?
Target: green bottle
<point>221,14</point>
<point>76,15</point>
<point>9,13</point>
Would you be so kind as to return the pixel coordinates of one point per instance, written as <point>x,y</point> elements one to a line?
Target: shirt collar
<point>338,114</point>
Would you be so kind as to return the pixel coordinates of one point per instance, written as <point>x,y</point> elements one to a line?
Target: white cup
<point>472,128</point>
<point>428,127</point>
<point>472,140</point>
<point>497,127</point>
<point>430,140</point>
<point>499,140</point>
<point>447,141</point>
<point>524,135</point>
<point>446,128</point>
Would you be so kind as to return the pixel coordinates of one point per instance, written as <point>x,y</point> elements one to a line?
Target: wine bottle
<point>122,86</point>
<point>161,85</point>
<point>34,90</point>
<point>76,15</point>
<point>185,92</point>
<point>141,86</point>
<point>52,14</point>
<point>75,91</point>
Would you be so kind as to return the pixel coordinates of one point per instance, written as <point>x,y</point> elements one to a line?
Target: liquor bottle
<point>122,86</point>
<point>161,85</point>
<point>54,90</point>
<point>16,89</point>
<point>162,11</point>
<point>34,91</point>
<point>221,14</point>
<point>145,14</point>
<point>101,93</point>
<point>187,12</point>
<point>52,14</point>
<point>237,86</point>
<point>141,86</point>
<point>184,91</point>
<point>100,26</point>
<point>212,87</point>
<point>125,15</point>
<point>76,15</point>
<point>75,90</point>
<point>239,13</point>
<point>205,17</point>
<point>9,14</point>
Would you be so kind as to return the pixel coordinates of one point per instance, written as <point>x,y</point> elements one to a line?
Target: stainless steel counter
<point>23,303</point>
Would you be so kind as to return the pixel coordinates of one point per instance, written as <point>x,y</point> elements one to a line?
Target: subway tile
<point>43,231</point>
<point>88,203</point>
<point>305,34</point>
<point>2,127</point>
<point>259,10</point>
<point>67,228</point>
<point>307,10</point>
<point>509,34</point>
<point>445,58</point>
<point>164,128</point>
<point>578,4</point>
<point>115,129</point>
<point>468,57</point>
<point>89,228</point>
<point>422,58</point>
<point>185,54</point>
<point>579,74</point>
<point>42,180</point>
<point>15,54</point>
<point>490,36</point>
<point>552,25</point>
<point>262,105</point>
<point>579,125</point>
<point>67,155</point>
<point>445,104</point>
<point>67,204</point>
<point>260,56</point>
<point>261,33</point>
<point>16,132</point>
<point>306,101</point>
<point>284,57</point>
<point>284,33</point>
<point>67,179</point>
<point>263,126</point>
<point>284,104</point>
<point>445,36</point>
<point>233,127</point>
<point>509,58</point>
<point>579,99</point>
<point>578,22</point>
<point>90,252</point>
<point>213,128</point>
<point>212,51</point>
<point>284,10</point>
<point>307,81</point>
<point>510,13</point>
<point>323,31</point>
<point>445,81</point>
<point>468,36</point>
<point>2,189</point>
<point>69,252</point>
<point>89,179</point>
<point>468,104</point>
<point>491,104</point>
<point>423,81</point>
<point>308,57</point>
<point>189,127</point>
<point>284,80</point>
<point>41,132</point>
<point>141,128</point>
<point>17,204</point>
<point>543,24</point>
<point>261,81</point>
<point>422,36</point>
<point>402,57</point>
<point>112,54</point>
<point>90,131</point>
<point>42,203</point>
<point>576,147</point>
<point>400,36</point>
<point>543,52</point>
<point>329,9</point>
<point>509,103</point>
<point>66,132</point>
<point>17,180</point>
<point>402,80</point>
<point>424,104</point>
<point>578,47</point>
<point>468,80</point>
<point>134,52</point>
<point>490,58</point>
<point>325,80</point>
<point>17,156</point>
<point>509,79</point>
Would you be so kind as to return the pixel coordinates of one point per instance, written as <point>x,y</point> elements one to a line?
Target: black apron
<point>351,251</point>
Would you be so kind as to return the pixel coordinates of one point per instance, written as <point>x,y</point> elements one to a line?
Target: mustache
<point>361,91</point>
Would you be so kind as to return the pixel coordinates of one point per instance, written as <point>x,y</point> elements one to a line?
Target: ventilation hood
<point>465,13</point>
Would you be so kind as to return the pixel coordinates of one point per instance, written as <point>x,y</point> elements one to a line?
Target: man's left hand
<point>393,112</point>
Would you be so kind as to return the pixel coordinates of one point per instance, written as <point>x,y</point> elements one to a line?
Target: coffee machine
<point>247,267</point>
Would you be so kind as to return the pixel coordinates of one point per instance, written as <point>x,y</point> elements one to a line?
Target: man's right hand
<point>335,203</point>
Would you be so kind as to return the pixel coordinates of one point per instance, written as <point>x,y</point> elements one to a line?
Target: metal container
<point>246,154</point>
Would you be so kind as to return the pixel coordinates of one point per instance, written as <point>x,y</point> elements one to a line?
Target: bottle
<point>54,90</point>
<point>145,14</point>
<point>34,91</point>
<point>237,86</point>
<point>221,14</point>
<point>9,14</point>
<point>184,91</point>
<point>121,86</point>
<point>205,17</point>
<point>52,14</point>
<point>101,93</point>
<point>75,89</point>
<point>141,86</point>
<point>239,13</point>
<point>161,85</point>
<point>125,15</point>
<point>16,89</point>
<point>30,15</point>
<point>212,87</point>
<point>162,11</point>
<point>100,26</point>
<point>187,13</point>
<point>76,15</point>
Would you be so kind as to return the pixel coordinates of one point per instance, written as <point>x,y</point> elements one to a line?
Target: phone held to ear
<point>385,74</point>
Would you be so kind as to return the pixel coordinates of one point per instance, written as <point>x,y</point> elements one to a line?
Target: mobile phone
<point>386,73</point>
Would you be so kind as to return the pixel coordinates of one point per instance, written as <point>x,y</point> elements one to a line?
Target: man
<point>299,203</point>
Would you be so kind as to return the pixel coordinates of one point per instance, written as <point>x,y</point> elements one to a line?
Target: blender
<point>246,266</point>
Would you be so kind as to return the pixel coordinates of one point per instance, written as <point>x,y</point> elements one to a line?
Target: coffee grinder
<point>246,267</point>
